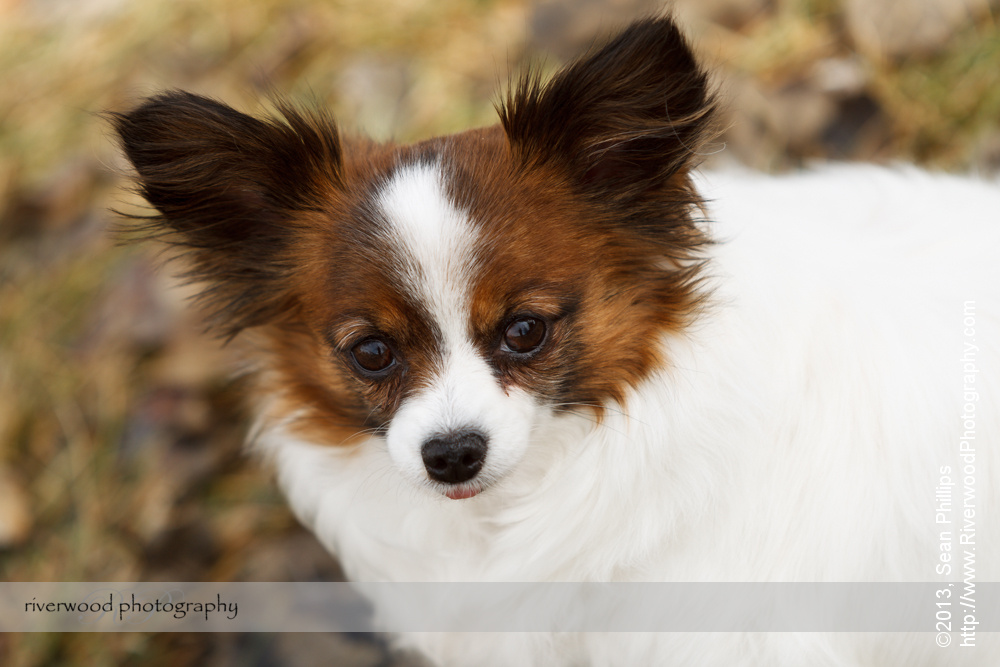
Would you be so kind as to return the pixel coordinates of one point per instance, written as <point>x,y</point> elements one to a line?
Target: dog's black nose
<point>454,457</point>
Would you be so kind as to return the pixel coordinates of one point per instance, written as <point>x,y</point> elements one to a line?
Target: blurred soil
<point>121,422</point>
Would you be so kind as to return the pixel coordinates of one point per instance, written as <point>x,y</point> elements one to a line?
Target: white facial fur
<point>434,244</point>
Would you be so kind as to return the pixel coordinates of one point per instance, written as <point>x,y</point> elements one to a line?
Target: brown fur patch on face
<point>606,292</point>
<point>347,291</point>
<point>584,200</point>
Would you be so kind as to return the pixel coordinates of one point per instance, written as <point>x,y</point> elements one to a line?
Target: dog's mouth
<point>463,491</point>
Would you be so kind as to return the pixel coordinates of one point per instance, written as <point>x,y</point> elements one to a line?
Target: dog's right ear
<point>230,188</point>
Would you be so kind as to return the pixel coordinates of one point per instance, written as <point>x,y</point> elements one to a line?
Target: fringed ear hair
<point>228,187</point>
<point>621,121</point>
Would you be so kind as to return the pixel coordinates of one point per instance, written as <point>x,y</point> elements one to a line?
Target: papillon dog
<point>548,350</point>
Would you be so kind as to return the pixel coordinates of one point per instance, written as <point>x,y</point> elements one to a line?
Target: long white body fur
<point>797,433</point>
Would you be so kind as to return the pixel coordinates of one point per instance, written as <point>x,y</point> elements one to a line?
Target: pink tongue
<point>461,494</point>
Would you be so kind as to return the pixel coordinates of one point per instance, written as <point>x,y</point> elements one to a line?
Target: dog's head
<point>448,295</point>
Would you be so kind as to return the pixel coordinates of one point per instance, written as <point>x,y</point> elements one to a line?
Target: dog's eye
<point>373,355</point>
<point>524,335</point>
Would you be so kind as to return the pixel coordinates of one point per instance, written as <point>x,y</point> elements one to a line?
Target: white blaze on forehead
<point>434,242</point>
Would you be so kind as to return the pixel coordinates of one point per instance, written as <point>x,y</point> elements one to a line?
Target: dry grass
<point>119,430</point>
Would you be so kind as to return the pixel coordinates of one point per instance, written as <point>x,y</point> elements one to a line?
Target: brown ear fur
<point>228,188</point>
<point>623,123</point>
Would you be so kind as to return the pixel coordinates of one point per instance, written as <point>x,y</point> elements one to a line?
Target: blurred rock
<point>799,111</point>
<point>62,10</point>
<point>858,131</point>
<point>839,76</point>
<point>56,205</point>
<point>296,556</point>
<point>731,14</point>
<point>15,517</point>
<point>308,650</point>
<point>565,28</point>
<point>986,158</point>
<point>178,439</point>
<point>901,28</point>
<point>825,111</point>
<point>185,551</point>
<point>774,127</point>
<point>374,89</point>
<point>133,312</point>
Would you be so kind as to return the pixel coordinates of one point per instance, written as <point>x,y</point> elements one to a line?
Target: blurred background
<point>120,423</point>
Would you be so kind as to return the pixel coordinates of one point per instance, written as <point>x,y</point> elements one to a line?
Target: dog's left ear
<point>622,120</point>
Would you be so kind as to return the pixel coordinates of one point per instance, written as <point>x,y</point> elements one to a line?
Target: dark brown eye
<point>372,355</point>
<point>524,335</point>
